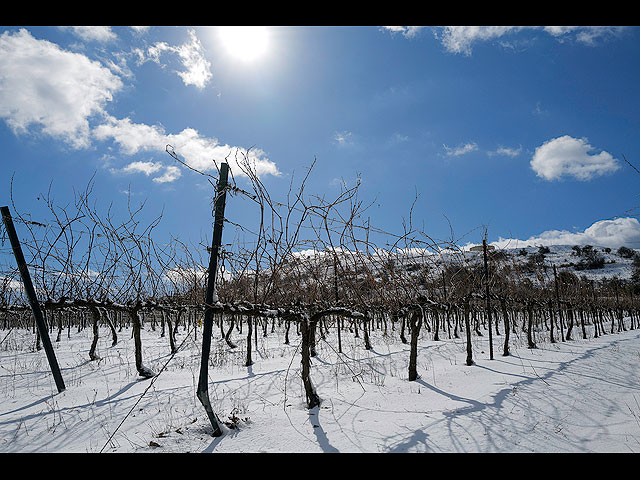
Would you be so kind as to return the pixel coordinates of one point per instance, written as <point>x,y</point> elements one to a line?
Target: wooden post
<point>467,328</point>
<point>447,306</point>
<point>507,330</point>
<point>555,281</point>
<point>551,319</point>
<point>486,279</point>
<point>335,287</point>
<point>307,325</point>
<point>530,342</point>
<point>210,298</point>
<point>415,322</point>
<point>33,300</point>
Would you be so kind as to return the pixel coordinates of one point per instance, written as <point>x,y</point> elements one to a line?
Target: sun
<point>247,43</point>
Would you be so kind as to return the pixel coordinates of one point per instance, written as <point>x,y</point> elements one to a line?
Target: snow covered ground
<point>578,396</point>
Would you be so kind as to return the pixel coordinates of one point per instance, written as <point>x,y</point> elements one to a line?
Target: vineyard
<point>310,310</point>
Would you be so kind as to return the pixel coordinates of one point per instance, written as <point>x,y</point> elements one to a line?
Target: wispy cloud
<point>461,39</point>
<point>197,69</point>
<point>407,32</point>
<point>585,35</point>
<point>460,149</point>
<point>506,151</point>
<point>343,138</point>
<point>141,30</point>
<point>538,110</point>
<point>399,138</point>
<point>100,34</point>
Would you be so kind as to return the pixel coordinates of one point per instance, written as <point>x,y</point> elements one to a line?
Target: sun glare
<point>245,43</point>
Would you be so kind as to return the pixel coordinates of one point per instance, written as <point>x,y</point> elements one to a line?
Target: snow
<point>576,396</point>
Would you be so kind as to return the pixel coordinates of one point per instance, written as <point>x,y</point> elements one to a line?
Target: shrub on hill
<point>590,261</point>
<point>626,252</point>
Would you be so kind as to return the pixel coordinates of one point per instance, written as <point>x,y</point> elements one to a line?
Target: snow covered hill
<point>566,257</point>
<point>591,262</point>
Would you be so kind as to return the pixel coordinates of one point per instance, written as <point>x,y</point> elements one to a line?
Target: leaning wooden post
<point>486,279</point>
<point>33,300</point>
<point>210,298</point>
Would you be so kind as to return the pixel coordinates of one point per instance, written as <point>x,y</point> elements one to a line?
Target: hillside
<point>411,266</point>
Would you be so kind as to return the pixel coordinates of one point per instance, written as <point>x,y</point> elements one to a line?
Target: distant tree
<point>567,278</point>
<point>591,259</point>
<point>625,252</point>
<point>498,255</point>
<point>543,250</point>
<point>534,263</point>
<point>635,274</point>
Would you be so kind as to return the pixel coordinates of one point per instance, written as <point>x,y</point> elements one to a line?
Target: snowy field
<point>578,396</point>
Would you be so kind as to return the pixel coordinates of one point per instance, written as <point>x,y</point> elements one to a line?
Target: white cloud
<point>461,149</point>
<point>55,90</point>
<point>170,174</point>
<point>142,167</point>
<point>197,68</point>
<point>12,284</point>
<point>186,276</point>
<point>569,157</point>
<point>198,71</point>
<point>100,34</point>
<point>132,137</point>
<point>603,233</point>
<point>407,32</point>
<point>197,151</point>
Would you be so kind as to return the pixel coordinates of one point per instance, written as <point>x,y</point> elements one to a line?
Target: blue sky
<point>519,130</point>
